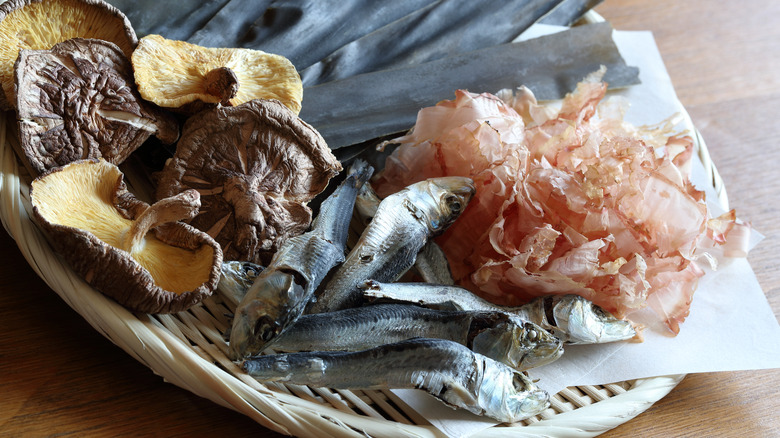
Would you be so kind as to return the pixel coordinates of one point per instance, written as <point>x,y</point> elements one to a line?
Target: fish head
<point>532,346</point>
<point>366,202</point>
<point>528,399</point>
<point>587,323</point>
<point>510,395</point>
<point>237,277</point>
<point>545,347</point>
<point>449,196</point>
<point>263,314</point>
<point>520,344</point>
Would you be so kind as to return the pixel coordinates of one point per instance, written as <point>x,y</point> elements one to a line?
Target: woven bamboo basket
<point>188,349</point>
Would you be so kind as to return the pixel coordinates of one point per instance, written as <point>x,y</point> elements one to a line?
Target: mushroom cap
<point>256,166</point>
<point>78,100</point>
<point>40,24</point>
<point>87,213</point>
<point>173,74</point>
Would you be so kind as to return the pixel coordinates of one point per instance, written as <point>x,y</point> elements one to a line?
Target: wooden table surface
<point>60,377</point>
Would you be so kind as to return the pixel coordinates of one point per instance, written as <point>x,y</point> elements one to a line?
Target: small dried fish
<point>431,262</point>
<point>388,246</point>
<point>432,265</point>
<point>571,318</point>
<point>447,370</point>
<point>236,279</point>
<point>280,293</point>
<point>497,335</point>
<point>366,204</point>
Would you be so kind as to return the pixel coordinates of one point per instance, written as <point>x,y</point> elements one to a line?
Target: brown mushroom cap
<point>40,24</point>
<point>78,100</point>
<point>102,231</point>
<point>175,74</point>
<point>256,167</point>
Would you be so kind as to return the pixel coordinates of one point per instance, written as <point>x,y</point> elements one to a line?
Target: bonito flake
<point>569,199</point>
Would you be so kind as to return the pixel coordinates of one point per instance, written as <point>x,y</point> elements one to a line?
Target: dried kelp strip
<point>569,11</point>
<point>371,105</point>
<point>179,20</point>
<point>304,31</point>
<point>442,29</point>
<point>340,37</point>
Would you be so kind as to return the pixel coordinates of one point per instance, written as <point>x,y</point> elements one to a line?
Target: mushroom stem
<point>183,206</point>
<point>222,83</point>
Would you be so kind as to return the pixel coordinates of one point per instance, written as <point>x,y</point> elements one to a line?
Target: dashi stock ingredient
<point>569,202</point>
<point>40,24</point>
<point>78,100</point>
<point>177,74</point>
<point>256,166</point>
<point>140,255</point>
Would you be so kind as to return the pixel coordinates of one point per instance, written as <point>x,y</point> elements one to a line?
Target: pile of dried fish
<point>461,349</point>
<point>447,370</point>
<point>279,294</point>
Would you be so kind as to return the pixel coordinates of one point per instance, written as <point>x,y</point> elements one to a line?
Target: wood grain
<point>724,61</point>
<point>60,377</point>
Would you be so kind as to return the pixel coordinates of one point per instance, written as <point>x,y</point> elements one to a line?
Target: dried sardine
<point>388,246</point>
<point>571,318</point>
<point>432,265</point>
<point>280,293</point>
<point>447,370</point>
<point>497,335</point>
<point>236,279</point>
<point>431,262</point>
<point>366,204</point>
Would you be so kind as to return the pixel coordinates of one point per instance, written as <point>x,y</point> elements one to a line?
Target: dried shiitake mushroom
<point>40,24</point>
<point>102,230</point>
<point>256,167</point>
<point>175,74</point>
<point>78,100</point>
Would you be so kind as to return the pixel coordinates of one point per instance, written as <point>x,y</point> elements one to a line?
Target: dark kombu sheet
<point>368,67</point>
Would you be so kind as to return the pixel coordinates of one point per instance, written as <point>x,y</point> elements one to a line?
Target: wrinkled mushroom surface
<point>177,74</point>
<point>40,24</point>
<point>78,100</point>
<point>103,231</point>
<point>256,166</point>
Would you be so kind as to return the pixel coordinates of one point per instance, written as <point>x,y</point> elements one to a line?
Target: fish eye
<point>265,328</point>
<point>532,335</point>
<point>453,203</point>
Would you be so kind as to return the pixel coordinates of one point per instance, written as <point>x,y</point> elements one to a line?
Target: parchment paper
<point>730,326</point>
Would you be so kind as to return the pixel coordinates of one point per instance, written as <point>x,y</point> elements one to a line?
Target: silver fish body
<point>432,265</point>
<point>388,246</point>
<point>571,318</point>
<point>497,335</point>
<point>577,320</point>
<point>447,370</point>
<point>280,293</point>
<point>431,262</point>
<point>237,277</point>
<point>366,204</point>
